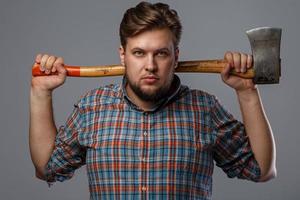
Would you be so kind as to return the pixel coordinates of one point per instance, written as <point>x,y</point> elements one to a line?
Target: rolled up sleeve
<point>232,150</point>
<point>68,154</point>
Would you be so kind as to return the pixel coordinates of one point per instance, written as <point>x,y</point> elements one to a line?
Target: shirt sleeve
<point>232,150</point>
<point>68,154</point>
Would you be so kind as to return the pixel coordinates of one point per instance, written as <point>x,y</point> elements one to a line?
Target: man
<point>150,137</point>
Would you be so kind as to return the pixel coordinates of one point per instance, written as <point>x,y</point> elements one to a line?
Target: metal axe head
<point>265,45</point>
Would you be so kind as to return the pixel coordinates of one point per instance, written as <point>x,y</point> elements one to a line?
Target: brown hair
<point>146,16</point>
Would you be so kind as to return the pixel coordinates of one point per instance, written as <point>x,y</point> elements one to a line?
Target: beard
<point>150,96</point>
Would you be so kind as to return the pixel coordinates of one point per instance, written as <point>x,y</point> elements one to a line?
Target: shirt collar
<point>176,85</point>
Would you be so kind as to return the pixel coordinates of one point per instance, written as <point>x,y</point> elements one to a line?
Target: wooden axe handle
<point>200,66</point>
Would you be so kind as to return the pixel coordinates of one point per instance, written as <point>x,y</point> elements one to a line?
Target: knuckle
<point>38,56</point>
<point>45,56</point>
<point>60,60</point>
<point>51,58</point>
<point>250,57</point>
<point>229,58</point>
<point>49,62</point>
<point>228,53</point>
<point>236,56</point>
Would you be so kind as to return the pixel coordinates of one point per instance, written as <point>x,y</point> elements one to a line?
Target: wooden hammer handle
<point>200,66</point>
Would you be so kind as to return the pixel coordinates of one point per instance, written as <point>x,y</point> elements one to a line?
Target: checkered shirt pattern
<point>166,153</point>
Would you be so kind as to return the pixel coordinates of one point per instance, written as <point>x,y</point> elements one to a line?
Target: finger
<point>229,58</point>
<point>226,72</point>
<point>249,61</point>
<point>237,61</point>
<point>62,72</point>
<point>244,62</point>
<point>38,58</point>
<point>43,61</point>
<point>58,62</point>
<point>49,63</point>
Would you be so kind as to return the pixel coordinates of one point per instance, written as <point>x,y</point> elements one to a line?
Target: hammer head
<point>265,45</point>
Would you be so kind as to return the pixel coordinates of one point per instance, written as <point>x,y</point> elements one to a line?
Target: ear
<point>122,55</point>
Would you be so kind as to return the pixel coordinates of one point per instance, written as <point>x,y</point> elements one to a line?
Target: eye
<point>138,53</point>
<point>162,54</point>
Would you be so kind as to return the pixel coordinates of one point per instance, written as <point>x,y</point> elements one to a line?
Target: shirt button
<point>144,159</point>
<point>145,133</point>
<point>144,188</point>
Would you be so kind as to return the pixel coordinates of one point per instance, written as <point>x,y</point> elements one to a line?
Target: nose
<point>151,65</point>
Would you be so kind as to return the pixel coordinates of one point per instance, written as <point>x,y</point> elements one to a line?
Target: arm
<point>256,123</point>
<point>42,129</point>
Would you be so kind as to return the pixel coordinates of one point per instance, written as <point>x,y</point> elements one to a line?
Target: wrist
<point>248,95</point>
<point>39,93</point>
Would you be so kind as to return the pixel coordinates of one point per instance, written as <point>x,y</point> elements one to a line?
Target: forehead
<point>152,39</point>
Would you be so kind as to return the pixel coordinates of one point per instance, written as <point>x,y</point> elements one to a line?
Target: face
<point>149,60</point>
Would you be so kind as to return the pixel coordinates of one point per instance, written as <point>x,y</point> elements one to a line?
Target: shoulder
<point>198,97</point>
<point>101,95</point>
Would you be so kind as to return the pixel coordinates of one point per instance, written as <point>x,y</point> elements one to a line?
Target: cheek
<point>134,68</point>
<point>132,65</point>
<point>132,73</point>
<point>169,73</point>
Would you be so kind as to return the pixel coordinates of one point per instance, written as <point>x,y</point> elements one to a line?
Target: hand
<point>241,63</point>
<point>49,64</point>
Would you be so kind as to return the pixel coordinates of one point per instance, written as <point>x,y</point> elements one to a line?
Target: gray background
<point>86,33</point>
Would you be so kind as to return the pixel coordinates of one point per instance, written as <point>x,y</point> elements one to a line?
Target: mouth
<point>150,79</point>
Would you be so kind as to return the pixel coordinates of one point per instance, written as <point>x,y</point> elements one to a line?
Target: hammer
<point>265,45</point>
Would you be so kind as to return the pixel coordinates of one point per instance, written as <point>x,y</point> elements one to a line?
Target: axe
<point>265,45</point>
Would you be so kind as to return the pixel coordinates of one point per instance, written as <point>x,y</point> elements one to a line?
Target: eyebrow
<point>157,50</point>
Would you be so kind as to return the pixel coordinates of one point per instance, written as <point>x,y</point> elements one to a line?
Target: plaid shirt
<point>166,153</point>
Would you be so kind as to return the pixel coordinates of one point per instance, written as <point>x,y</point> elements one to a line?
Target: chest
<point>167,135</point>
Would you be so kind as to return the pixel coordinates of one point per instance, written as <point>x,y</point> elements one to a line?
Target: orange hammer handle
<point>84,71</point>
